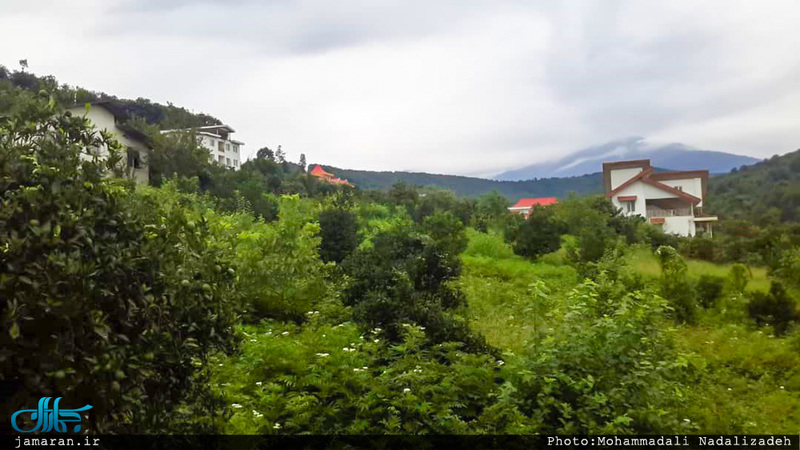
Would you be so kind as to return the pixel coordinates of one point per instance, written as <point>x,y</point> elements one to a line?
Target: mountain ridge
<point>673,156</point>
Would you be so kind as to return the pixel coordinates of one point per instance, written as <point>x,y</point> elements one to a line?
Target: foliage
<point>446,231</point>
<point>709,290</point>
<point>119,312</point>
<point>537,235</point>
<point>775,308</point>
<point>325,379</point>
<point>603,373</point>
<point>675,285</point>
<point>338,229</point>
<point>488,245</point>
<point>738,278</point>
<point>404,277</point>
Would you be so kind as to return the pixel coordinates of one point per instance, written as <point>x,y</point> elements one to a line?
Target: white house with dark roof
<point>107,116</point>
<point>223,150</point>
<point>672,200</point>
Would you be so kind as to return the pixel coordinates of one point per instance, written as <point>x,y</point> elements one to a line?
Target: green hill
<point>470,186</point>
<point>766,192</point>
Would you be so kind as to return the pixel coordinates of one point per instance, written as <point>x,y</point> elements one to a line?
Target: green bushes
<point>537,235</point>
<point>675,284</point>
<point>405,277</point>
<point>709,290</point>
<point>100,305</point>
<point>775,308</point>
<point>603,372</point>
<point>325,379</point>
<point>488,245</point>
<point>338,229</point>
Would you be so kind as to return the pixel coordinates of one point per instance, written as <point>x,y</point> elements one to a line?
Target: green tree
<point>338,228</point>
<point>537,235</point>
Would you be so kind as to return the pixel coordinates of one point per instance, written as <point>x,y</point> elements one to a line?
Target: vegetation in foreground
<point>187,307</point>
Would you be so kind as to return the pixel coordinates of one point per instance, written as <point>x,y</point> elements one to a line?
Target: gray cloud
<point>462,87</point>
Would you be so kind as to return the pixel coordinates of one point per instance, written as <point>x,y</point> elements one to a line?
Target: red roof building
<point>320,173</point>
<point>525,205</point>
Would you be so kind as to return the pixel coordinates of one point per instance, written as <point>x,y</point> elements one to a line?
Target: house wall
<point>102,119</point>
<point>619,176</point>
<point>680,225</point>
<point>692,186</point>
<point>636,189</point>
<point>211,143</point>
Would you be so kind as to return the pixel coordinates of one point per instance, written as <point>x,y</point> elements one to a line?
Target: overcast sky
<point>460,87</point>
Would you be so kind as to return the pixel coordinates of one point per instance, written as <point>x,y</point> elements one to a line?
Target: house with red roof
<point>328,177</point>
<point>671,200</point>
<point>525,205</point>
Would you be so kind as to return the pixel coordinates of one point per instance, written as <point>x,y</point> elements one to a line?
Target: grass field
<point>744,379</point>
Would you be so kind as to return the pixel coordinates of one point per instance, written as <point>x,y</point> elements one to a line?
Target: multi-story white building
<point>106,116</point>
<point>672,200</point>
<point>223,150</point>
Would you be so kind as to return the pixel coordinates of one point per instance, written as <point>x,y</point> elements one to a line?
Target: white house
<point>217,139</point>
<point>673,200</point>
<point>106,116</point>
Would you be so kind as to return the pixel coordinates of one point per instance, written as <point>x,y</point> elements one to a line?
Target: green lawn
<point>642,260</point>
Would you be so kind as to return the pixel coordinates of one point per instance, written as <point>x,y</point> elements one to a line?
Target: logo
<point>50,419</point>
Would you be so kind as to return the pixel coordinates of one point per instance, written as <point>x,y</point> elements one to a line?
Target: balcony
<point>658,212</point>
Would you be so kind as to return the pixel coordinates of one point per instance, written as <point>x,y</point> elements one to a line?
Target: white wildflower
<point>781,387</point>
<point>220,365</point>
<point>277,426</point>
<point>356,369</point>
<point>377,340</point>
<point>236,405</point>
<point>686,420</point>
<point>257,414</point>
<point>406,390</point>
<point>253,340</point>
<point>500,362</point>
<point>365,368</point>
<point>285,333</point>
<point>258,383</point>
<point>323,354</point>
<point>730,389</point>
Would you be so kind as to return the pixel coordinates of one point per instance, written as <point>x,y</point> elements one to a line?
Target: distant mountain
<point>470,187</point>
<point>670,156</point>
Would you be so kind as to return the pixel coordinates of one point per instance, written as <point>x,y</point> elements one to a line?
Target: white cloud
<point>449,87</point>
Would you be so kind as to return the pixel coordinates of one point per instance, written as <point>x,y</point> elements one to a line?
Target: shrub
<point>709,289</point>
<point>488,245</point>
<point>775,308</point>
<point>338,229</point>
<point>675,284</point>
<point>405,278</point>
<point>447,232</point>
<point>537,235</point>
<point>101,306</point>
<point>738,278</point>
<point>604,371</point>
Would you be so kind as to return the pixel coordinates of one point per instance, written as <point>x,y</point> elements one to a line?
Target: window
<point>221,160</point>
<point>235,148</point>
<point>228,162</point>
<point>221,146</point>
<point>235,163</point>
<point>680,188</point>
<point>630,206</point>
<point>228,147</point>
<point>134,158</point>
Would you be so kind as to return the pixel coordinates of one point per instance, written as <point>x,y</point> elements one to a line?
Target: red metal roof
<point>530,202</point>
<point>318,171</point>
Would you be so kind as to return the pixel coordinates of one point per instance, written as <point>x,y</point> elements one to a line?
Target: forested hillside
<point>470,186</point>
<point>14,84</point>
<point>767,192</point>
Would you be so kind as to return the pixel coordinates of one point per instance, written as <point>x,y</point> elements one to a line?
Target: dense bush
<point>675,284</point>
<point>447,232</point>
<point>404,277</point>
<point>99,305</point>
<point>709,289</point>
<point>535,236</point>
<point>325,379</point>
<point>775,308</point>
<point>603,372</point>
<point>338,229</point>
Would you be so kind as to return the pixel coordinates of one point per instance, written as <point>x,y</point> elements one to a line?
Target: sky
<point>458,87</point>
